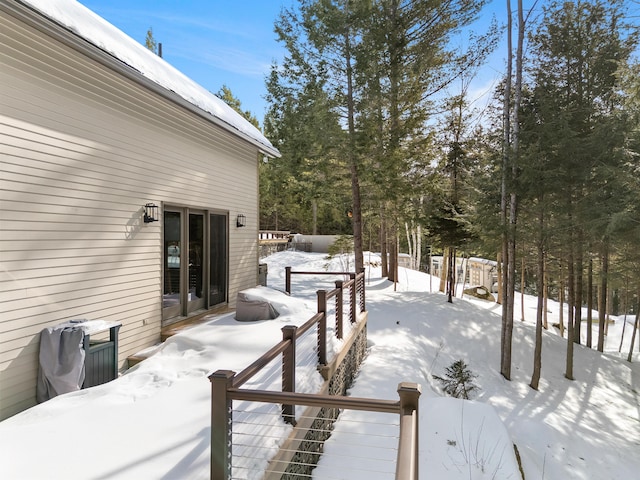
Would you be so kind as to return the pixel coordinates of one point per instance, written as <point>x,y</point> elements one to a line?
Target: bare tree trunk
<point>314,210</point>
<point>507,320</point>
<point>561,301</point>
<point>409,244</point>
<point>602,294</point>
<point>609,305</point>
<point>590,303</point>
<point>444,270</point>
<point>624,308</point>
<point>570,318</point>
<point>430,272</point>
<point>522,289</point>
<point>384,255</point>
<point>545,324</point>
<point>499,294</point>
<point>465,266</point>
<point>393,253</point>
<point>418,247</point>
<point>353,166</point>
<point>578,292</point>
<point>451,275</point>
<point>418,241</point>
<point>636,325</point>
<point>537,354</point>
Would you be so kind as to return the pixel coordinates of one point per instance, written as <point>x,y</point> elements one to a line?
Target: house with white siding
<point>94,128</point>
<point>475,271</point>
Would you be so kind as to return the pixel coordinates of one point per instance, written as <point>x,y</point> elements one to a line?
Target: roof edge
<point>49,26</point>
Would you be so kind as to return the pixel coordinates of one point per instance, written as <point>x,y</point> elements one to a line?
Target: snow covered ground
<point>153,422</point>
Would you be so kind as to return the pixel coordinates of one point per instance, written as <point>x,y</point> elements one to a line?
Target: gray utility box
<point>262,274</point>
<point>101,358</point>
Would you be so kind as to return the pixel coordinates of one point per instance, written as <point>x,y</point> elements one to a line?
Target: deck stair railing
<point>226,385</point>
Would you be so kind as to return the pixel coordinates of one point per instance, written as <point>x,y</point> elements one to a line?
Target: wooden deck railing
<point>226,386</point>
<point>355,284</point>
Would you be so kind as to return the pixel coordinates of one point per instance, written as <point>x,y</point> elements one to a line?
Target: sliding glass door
<point>217,259</point>
<point>195,261</point>
<point>195,295</point>
<point>171,298</point>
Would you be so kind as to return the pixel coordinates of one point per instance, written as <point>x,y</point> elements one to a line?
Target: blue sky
<point>226,42</point>
<point>214,42</point>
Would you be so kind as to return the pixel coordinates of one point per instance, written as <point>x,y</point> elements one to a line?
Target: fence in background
<point>304,443</point>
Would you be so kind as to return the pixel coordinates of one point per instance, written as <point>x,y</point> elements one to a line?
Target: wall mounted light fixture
<point>241,221</point>
<point>150,213</point>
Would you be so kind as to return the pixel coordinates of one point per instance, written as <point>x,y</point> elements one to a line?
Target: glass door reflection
<point>172,255</point>
<point>195,296</point>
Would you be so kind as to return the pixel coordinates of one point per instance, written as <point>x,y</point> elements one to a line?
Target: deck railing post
<point>322,327</point>
<point>362,290</point>
<point>407,464</point>
<point>221,421</point>
<point>339,310</point>
<point>287,279</point>
<point>353,290</point>
<point>289,371</point>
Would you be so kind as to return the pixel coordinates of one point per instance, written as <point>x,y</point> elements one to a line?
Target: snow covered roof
<point>86,24</point>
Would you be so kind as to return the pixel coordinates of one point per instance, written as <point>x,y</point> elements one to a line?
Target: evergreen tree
<point>309,177</point>
<point>379,63</point>
<point>579,49</point>
<point>576,136</point>
<point>150,41</point>
<point>227,97</point>
<point>458,380</point>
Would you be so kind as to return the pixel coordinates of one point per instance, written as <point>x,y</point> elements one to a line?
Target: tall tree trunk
<point>451,275</point>
<point>513,149</point>
<point>624,309</point>
<point>545,323</point>
<point>602,293</point>
<point>384,254</point>
<point>578,293</point>
<point>444,270</point>
<point>570,318</point>
<point>418,241</point>
<point>418,247</point>
<point>561,302</point>
<point>537,354</point>
<point>393,253</point>
<point>636,325</point>
<point>465,273</point>
<point>590,303</point>
<point>500,287</point>
<point>507,320</point>
<point>522,279</point>
<point>409,244</point>
<point>314,210</point>
<point>353,166</point>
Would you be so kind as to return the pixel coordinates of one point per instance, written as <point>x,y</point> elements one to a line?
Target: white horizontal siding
<point>81,151</point>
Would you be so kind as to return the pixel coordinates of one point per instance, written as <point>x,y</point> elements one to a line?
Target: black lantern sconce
<point>150,213</point>
<point>241,221</point>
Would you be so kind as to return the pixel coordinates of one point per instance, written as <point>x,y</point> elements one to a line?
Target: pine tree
<point>379,63</point>
<point>458,380</point>
<point>227,97</point>
<point>150,41</point>
<point>577,52</point>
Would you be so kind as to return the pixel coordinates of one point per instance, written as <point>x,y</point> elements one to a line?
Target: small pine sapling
<point>458,380</point>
